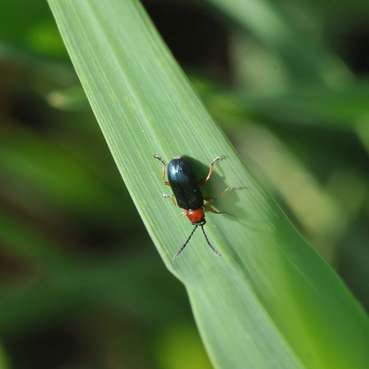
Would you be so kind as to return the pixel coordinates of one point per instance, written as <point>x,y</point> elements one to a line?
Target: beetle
<point>180,176</point>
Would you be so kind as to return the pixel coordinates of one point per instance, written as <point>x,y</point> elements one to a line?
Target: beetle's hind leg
<point>211,168</point>
<point>209,200</point>
<point>209,207</point>
<point>229,189</point>
<point>164,175</point>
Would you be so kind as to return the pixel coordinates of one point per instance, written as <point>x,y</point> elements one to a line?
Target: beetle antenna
<point>210,245</point>
<point>185,244</point>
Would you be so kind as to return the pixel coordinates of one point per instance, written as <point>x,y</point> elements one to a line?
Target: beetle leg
<point>231,189</point>
<point>166,196</point>
<point>211,168</point>
<point>213,210</point>
<point>164,175</point>
<point>209,207</point>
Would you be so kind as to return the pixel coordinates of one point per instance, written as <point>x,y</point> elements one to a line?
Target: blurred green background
<point>289,87</point>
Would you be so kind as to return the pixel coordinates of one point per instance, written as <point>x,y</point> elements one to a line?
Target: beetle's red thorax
<point>195,216</point>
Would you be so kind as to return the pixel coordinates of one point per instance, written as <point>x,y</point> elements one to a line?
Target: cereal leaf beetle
<point>180,176</point>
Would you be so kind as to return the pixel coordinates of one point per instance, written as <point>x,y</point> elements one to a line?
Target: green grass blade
<point>339,108</point>
<point>21,240</point>
<point>307,61</point>
<point>269,301</point>
<point>28,161</point>
<point>3,359</point>
<point>68,289</point>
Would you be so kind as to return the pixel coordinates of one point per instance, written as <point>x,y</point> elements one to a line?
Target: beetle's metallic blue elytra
<point>187,193</point>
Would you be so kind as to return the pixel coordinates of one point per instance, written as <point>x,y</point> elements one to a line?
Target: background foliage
<point>67,226</point>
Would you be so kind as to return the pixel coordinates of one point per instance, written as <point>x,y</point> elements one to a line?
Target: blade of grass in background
<point>71,283</point>
<point>301,59</point>
<point>269,301</point>
<point>25,158</point>
<point>21,240</point>
<point>307,61</point>
<point>3,359</point>
<point>340,108</point>
<point>73,290</point>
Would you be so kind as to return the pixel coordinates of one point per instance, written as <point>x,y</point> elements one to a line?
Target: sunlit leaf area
<point>87,275</point>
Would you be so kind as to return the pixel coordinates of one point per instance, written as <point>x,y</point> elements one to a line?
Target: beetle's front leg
<point>164,175</point>
<point>172,197</point>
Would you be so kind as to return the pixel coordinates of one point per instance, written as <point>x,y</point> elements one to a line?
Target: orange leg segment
<point>164,175</point>
<point>211,168</point>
